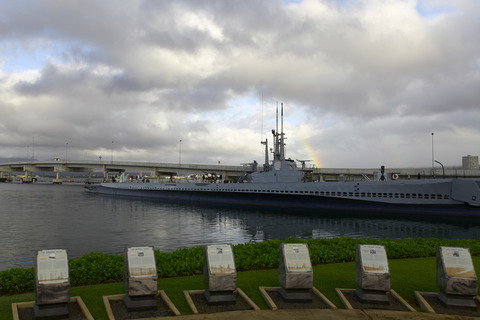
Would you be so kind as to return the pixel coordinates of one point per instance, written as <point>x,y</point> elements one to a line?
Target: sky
<point>364,83</point>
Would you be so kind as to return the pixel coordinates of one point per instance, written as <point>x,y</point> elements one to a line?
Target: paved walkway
<point>321,314</point>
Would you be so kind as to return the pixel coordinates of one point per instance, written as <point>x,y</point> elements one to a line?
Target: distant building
<point>470,162</point>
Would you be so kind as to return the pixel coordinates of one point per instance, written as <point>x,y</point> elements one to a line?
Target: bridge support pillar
<point>225,176</point>
<point>154,177</point>
<point>58,180</point>
<point>89,180</point>
<point>27,178</point>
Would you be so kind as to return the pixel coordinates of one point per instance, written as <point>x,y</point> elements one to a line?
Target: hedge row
<point>96,268</point>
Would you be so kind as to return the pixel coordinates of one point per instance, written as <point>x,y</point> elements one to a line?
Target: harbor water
<point>45,216</point>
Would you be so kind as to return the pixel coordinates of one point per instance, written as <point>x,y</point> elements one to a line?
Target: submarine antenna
<point>276,120</point>
<point>282,144</point>
<point>275,137</point>
<point>282,117</point>
<point>261,126</point>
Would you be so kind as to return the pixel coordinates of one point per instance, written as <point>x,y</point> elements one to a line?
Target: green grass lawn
<point>407,275</point>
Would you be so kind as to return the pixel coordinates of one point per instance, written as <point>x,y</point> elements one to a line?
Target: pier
<point>26,171</point>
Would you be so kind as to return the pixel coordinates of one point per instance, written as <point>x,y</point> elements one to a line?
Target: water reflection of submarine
<point>284,226</point>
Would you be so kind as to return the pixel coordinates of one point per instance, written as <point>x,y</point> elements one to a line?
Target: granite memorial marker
<point>372,274</point>
<point>295,272</point>
<point>140,279</point>
<point>220,274</point>
<point>456,277</point>
<point>52,285</point>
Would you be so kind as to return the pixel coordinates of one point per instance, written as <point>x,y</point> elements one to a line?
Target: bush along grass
<point>94,268</point>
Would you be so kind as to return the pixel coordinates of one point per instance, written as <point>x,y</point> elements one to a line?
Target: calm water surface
<point>44,216</point>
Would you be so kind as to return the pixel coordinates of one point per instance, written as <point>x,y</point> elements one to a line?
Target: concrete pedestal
<point>372,296</point>
<point>52,285</point>
<point>220,275</point>
<point>296,295</point>
<point>372,274</point>
<point>456,277</point>
<point>451,300</point>
<point>140,303</point>
<point>352,301</point>
<point>295,273</point>
<point>140,279</point>
<point>51,311</point>
<point>219,297</point>
<point>76,307</point>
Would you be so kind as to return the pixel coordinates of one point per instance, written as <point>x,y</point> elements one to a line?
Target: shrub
<point>16,280</point>
<point>95,268</point>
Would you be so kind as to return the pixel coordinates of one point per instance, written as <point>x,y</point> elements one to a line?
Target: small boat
<point>280,184</point>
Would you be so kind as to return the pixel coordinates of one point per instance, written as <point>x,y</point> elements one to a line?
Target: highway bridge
<point>152,170</point>
<point>28,170</point>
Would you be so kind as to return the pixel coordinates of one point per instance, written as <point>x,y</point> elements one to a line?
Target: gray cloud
<point>363,80</point>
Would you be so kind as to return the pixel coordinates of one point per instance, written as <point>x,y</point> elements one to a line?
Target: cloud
<point>365,82</point>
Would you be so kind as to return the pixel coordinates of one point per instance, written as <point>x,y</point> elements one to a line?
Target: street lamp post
<point>443,168</point>
<point>180,152</point>
<point>433,161</point>
<point>66,152</point>
<point>112,152</point>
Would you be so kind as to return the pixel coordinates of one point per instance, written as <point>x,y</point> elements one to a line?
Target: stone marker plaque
<point>458,262</point>
<point>372,273</point>
<point>52,266</point>
<point>52,284</point>
<point>297,257</point>
<point>295,272</point>
<point>220,259</point>
<point>140,279</point>
<point>141,262</point>
<point>220,274</point>
<point>374,258</point>
<point>456,276</point>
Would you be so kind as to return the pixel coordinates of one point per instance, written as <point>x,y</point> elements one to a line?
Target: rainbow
<point>312,155</point>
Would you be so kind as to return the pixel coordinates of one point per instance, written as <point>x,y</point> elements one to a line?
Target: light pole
<point>112,152</point>
<point>443,168</point>
<point>433,159</point>
<point>180,152</point>
<point>66,151</point>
